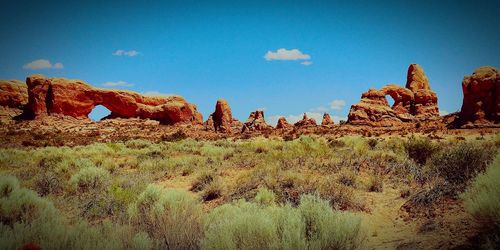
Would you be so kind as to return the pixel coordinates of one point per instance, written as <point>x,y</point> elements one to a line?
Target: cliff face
<point>415,102</point>
<point>77,99</point>
<point>481,104</point>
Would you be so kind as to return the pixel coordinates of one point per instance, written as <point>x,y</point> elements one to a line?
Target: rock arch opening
<point>99,112</point>
<point>390,100</point>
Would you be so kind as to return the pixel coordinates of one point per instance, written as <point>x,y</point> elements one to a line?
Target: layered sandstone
<point>305,122</point>
<point>327,120</point>
<point>481,103</point>
<point>13,99</point>
<point>256,122</point>
<point>47,96</point>
<point>415,102</point>
<point>283,123</point>
<point>221,119</point>
<point>13,94</point>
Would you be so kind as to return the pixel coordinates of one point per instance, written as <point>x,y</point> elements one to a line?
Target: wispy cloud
<point>288,55</point>
<point>43,64</point>
<point>117,84</point>
<point>337,104</point>
<point>130,53</point>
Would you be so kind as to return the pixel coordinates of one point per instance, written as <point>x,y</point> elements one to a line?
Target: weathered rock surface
<point>75,98</point>
<point>283,123</point>
<point>416,102</point>
<point>481,104</point>
<point>305,122</point>
<point>256,122</point>
<point>221,119</point>
<point>13,94</point>
<point>327,120</point>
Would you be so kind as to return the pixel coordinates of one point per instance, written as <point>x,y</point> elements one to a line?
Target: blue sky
<point>210,50</point>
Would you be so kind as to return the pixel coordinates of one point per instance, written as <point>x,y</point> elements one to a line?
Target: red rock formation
<point>256,122</point>
<point>416,102</point>
<point>221,119</point>
<point>77,99</point>
<point>13,94</point>
<point>305,122</point>
<point>283,123</point>
<point>13,99</point>
<point>481,104</point>
<point>327,120</point>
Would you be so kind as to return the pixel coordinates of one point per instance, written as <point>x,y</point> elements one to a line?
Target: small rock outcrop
<point>415,102</point>
<point>481,104</point>
<point>47,96</point>
<point>327,120</point>
<point>221,119</point>
<point>305,122</point>
<point>283,123</point>
<point>13,99</point>
<point>13,94</point>
<point>256,122</point>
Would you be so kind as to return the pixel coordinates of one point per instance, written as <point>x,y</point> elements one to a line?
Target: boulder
<point>481,103</point>
<point>327,120</point>
<point>47,96</point>
<point>305,122</point>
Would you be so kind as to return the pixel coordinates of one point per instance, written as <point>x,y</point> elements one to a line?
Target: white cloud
<point>43,64</point>
<point>337,104</point>
<point>130,53</point>
<point>286,55</point>
<point>306,63</point>
<point>157,93</point>
<point>117,84</point>
<point>443,112</point>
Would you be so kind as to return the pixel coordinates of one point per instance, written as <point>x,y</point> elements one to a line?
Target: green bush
<point>420,149</point>
<point>265,197</point>
<point>171,216</point>
<point>312,225</point>
<point>90,178</point>
<point>462,162</point>
<point>25,217</point>
<point>482,198</point>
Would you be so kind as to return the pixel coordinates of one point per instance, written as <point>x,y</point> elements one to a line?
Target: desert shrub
<point>141,241</point>
<point>374,183</point>
<point>482,198</point>
<point>460,163</point>
<point>372,143</point>
<point>358,144</point>
<point>340,196</point>
<point>8,183</point>
<point>265,197</point>
<point>347,177</point>
<point>329,229</point>
<point>26,217</point>
<point>171,216</point>
<point>90,178</point>
<point>202,180</point>
<point>212,190</point>
<point>420,149</point>
<point>312,225</point>
<point>137,144</point>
